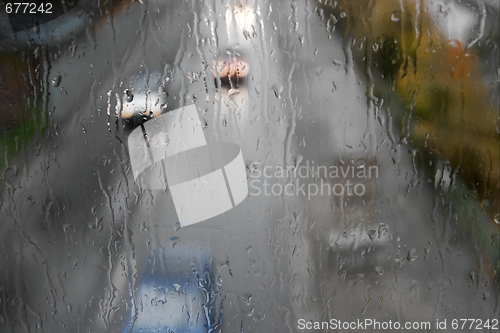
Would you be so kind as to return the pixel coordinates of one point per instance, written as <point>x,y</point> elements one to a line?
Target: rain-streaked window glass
<point>249,166</point>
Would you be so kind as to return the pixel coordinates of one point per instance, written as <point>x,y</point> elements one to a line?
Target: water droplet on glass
<point>472,276</point>
<point>379,270</point>
<point>162,92</point>
<point>129,96</point>
<point>233,92</point>
<point>412,255</point>
<point>396,16</point>
<point>177,288</point>
<point>382,229</point>
<point>247,298</point>
<point>56,81</point>
<point>372,233</point>
<point>278,90</point>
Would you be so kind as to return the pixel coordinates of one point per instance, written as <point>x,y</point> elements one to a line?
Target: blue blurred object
<point>173,292</point>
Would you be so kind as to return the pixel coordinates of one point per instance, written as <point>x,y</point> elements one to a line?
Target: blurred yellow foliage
<point>448,105</point>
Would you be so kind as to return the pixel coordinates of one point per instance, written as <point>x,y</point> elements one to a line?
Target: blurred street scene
<point>370,138</point>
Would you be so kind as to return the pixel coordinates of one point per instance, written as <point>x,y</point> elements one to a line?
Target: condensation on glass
<point>343,158</point>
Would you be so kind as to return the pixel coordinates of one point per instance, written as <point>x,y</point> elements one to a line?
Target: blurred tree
<point>448,110</point>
